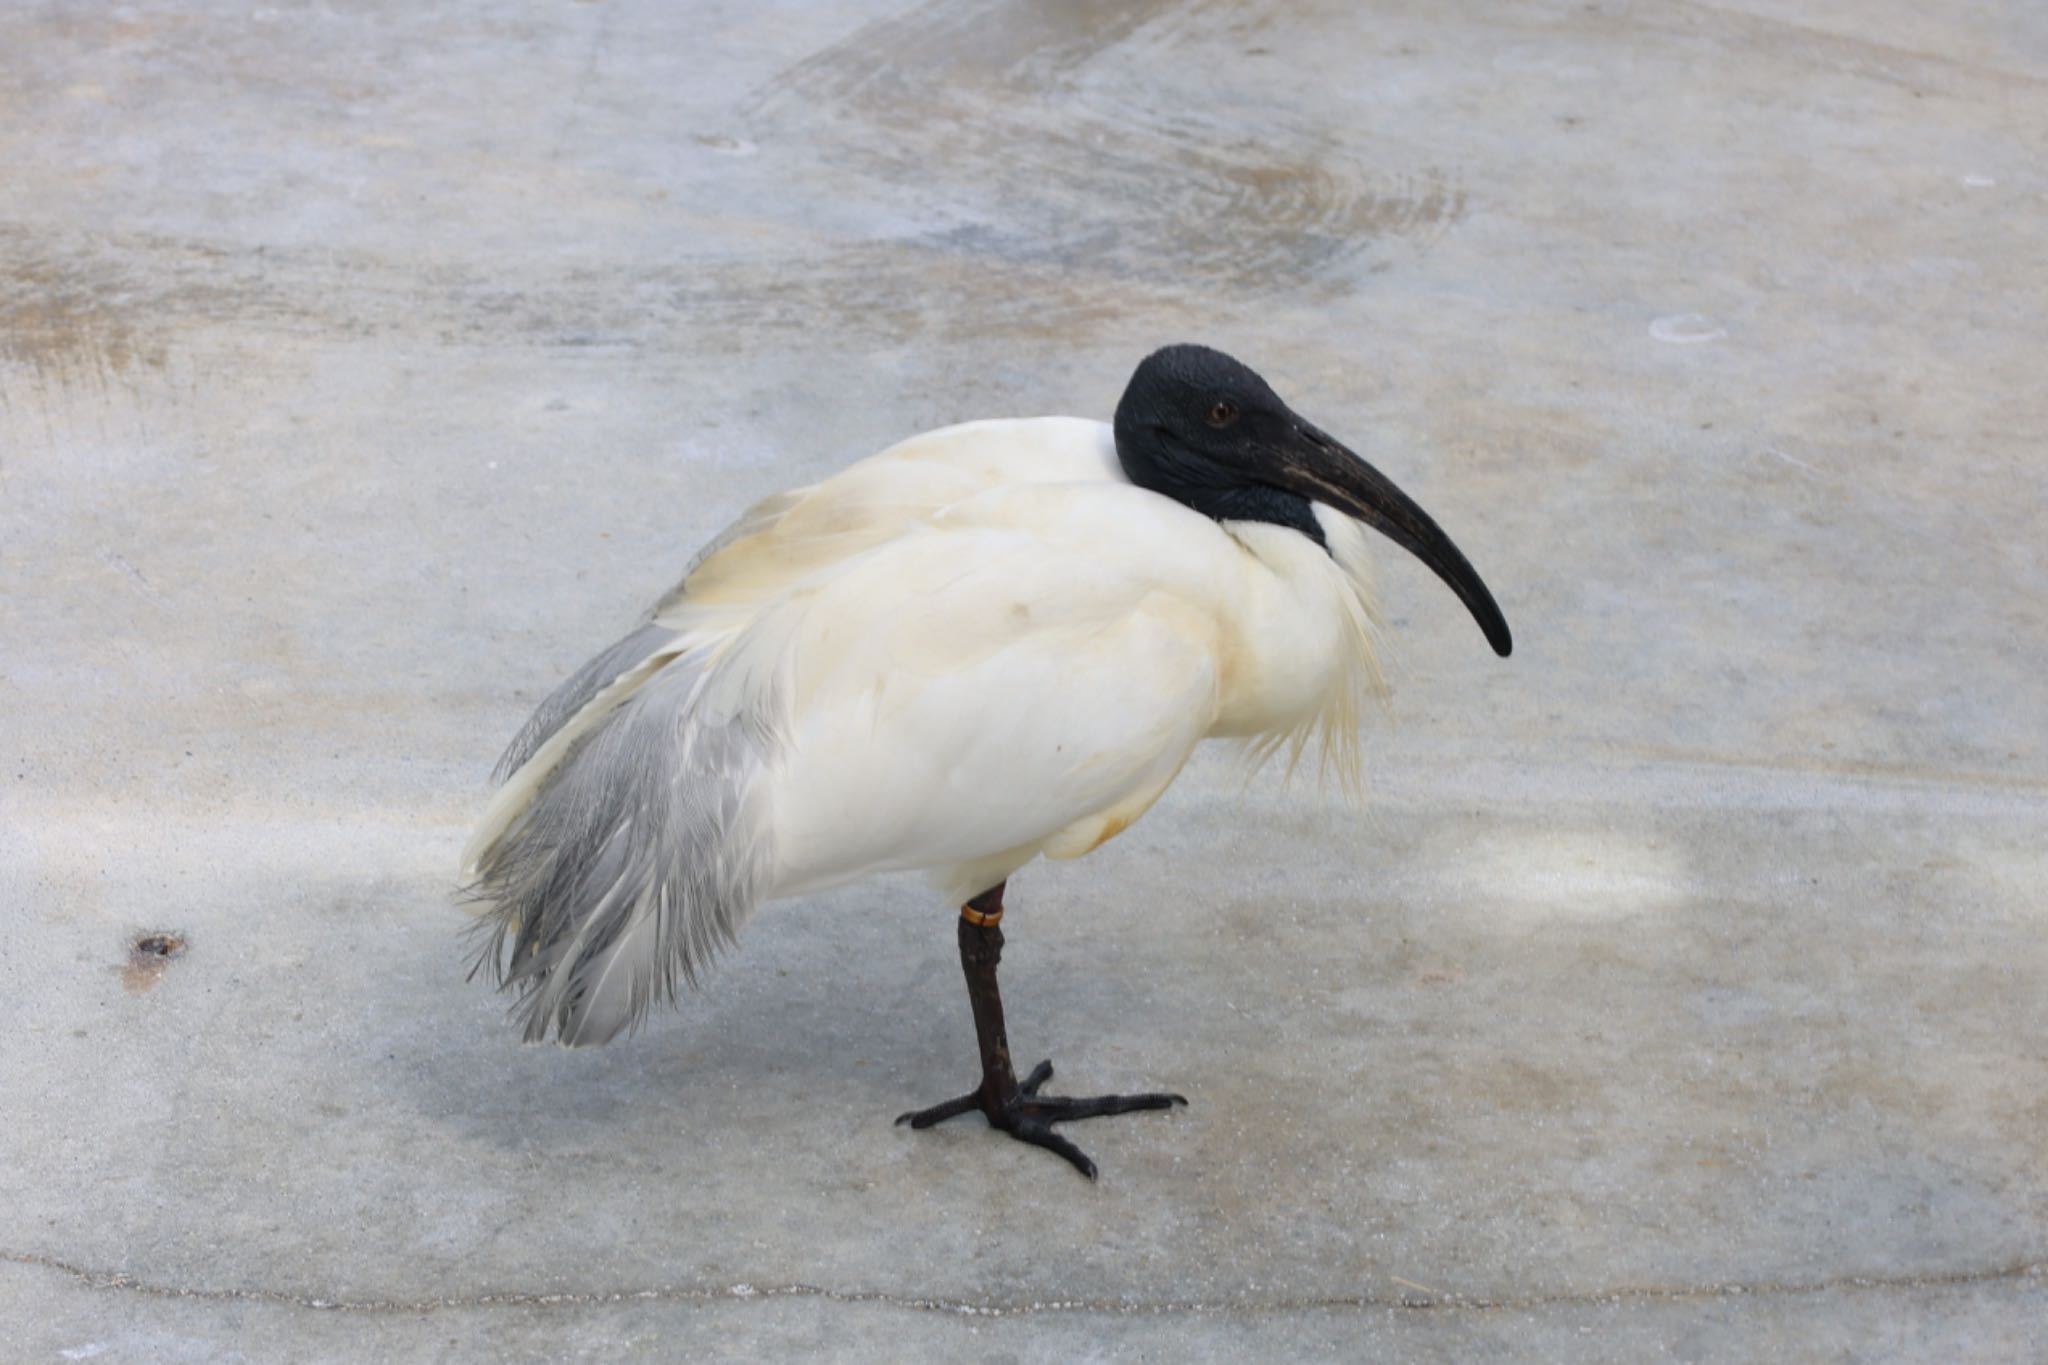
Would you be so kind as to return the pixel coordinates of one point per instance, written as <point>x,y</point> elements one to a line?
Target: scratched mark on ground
<point>90,324</point>
<point>59,321</point>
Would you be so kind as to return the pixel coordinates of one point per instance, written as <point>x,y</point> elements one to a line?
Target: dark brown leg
<point>1015,1108</point>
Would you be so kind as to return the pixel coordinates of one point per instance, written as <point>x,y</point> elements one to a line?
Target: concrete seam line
<point>112,1280</point>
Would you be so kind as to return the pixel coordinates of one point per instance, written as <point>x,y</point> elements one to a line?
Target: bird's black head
<point>1208,432</point>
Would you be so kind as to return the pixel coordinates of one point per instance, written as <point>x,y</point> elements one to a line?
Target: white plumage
<point>987,643</point>
<point>980,645</point>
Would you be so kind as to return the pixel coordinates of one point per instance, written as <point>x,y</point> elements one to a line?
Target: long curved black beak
<point>1318,467</point>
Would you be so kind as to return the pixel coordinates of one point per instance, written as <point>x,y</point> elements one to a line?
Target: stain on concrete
<point>65,322</point>
<point>148,956</point>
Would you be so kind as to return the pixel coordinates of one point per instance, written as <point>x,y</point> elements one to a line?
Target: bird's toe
<point>1040,1074</point>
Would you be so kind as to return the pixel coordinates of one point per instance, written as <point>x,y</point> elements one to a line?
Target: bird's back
<point>787,538</point>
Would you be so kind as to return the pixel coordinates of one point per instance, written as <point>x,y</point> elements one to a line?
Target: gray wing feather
<point>572,696</point>
<point>637,860</point>
<point>566,701</point>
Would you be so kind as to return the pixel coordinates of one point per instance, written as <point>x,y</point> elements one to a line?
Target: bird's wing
<point>788,538</point>
<point>775,546</point>
<point>1025,674</point>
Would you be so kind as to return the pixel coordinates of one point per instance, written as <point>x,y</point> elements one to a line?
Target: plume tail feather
<point>635,862</point>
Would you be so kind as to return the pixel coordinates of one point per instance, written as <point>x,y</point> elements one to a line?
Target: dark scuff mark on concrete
<point>149,954</point>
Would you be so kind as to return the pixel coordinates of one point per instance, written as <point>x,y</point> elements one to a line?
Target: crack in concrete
<point>1000,1308</point>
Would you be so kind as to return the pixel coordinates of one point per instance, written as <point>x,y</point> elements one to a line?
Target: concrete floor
<point>1681,993</point>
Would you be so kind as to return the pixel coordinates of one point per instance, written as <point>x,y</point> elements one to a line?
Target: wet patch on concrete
<point>995,100</point>
<point>1013,190</point>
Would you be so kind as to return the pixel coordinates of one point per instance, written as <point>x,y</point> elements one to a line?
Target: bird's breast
<point>1288,621</point>
<point>1295,641</point>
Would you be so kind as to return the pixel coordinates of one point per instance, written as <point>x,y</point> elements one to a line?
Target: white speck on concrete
<point>1687,329</point>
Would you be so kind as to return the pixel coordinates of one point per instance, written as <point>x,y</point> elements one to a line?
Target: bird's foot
<point>1029,1116</point>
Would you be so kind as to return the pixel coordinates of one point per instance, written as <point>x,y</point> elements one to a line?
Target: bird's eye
<point>1222,414</point>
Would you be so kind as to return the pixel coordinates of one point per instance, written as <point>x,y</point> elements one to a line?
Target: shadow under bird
<point>989,642</point>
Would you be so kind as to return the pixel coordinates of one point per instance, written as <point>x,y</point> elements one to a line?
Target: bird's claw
<point>1028,1116</point>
